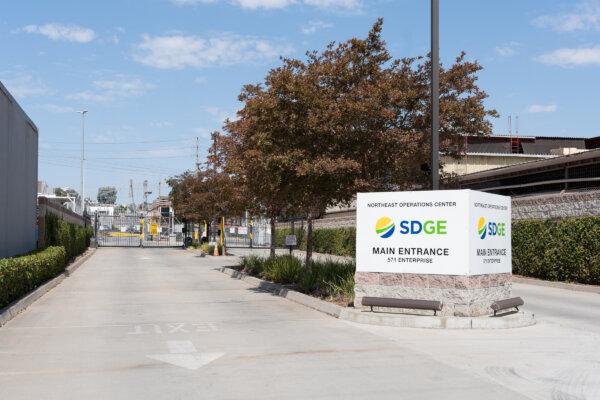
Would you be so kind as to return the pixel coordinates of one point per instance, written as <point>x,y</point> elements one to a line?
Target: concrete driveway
<point>163,324</point>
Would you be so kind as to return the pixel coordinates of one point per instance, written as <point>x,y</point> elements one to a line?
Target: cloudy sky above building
<point>156,74</point>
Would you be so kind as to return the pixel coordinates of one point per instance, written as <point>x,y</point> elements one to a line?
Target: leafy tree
<point>122,209</point>
<point>107,195</point>
<point>207,194</point>
<point>66,191</point>
<point>345,120</point>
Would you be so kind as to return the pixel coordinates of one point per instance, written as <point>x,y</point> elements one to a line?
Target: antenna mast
<point>197,155</point>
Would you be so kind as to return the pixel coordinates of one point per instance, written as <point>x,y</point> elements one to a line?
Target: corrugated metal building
<point>18,178</point>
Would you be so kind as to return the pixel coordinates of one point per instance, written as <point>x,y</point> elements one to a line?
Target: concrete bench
<point>505,304</point>
<point>432,305</point>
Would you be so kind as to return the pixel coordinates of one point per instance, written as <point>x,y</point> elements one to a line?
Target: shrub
<point>563,250</point>
<point>323,278</point>
<point>74,238</point>
<point>20,275</point>
<point>282,269</point>
<point>332,278</point>
<point>252,265</point>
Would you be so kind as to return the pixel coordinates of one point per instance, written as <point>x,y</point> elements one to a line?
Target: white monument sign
<point>446,232</point>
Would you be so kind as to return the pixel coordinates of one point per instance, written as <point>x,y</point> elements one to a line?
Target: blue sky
<point>156,74</point>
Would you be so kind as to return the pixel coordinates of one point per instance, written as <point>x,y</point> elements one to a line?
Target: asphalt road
<point>163,324</point>
<point>577,310</point>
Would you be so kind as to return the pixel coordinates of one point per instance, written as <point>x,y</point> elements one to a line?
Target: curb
<point>18,306</point>
<point>517,320</point>
<point>577,287</point>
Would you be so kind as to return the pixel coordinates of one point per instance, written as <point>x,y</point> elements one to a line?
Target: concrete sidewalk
<point>163,324</point>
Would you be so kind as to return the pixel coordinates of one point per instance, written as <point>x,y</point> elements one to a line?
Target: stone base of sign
<point>461,296</point>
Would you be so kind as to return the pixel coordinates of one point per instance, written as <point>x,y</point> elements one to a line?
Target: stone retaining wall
<point>555,206</point>
<point>461,296</point>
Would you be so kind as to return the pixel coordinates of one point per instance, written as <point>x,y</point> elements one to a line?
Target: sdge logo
<point>385,227</point>
<point>490,229</point>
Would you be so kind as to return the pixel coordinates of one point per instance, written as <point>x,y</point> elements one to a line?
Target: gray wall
<point>557,205</point>
<point>18,178</point>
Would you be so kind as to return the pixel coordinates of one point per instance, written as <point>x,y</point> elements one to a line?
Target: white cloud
<point>266,4</point>
<point>334,5</point>
<point>69,33</point>
<point>347,5</point>
<point>585,16</point>
<point>179,51</point>
<point>24,85</point>
<point>107,90</point>
<point>572,57</point>
<point>251,4</point>
<point>540,108</point>
<point>314,26</point>
<point>508,49</point>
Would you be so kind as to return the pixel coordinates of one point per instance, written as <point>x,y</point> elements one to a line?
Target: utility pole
<point>131,195</point>
<point>197,156</point>
<point>159,190</point>
<point>145,195</point>
<point>435,94</point>
<point>82,193</point>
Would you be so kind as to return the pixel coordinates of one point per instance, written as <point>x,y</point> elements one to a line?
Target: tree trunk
<point>272,252</point>
<point>309,239</point>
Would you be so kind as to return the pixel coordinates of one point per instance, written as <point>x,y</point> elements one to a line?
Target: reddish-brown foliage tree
<point>345,120</point>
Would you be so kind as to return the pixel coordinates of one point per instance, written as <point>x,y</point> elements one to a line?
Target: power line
<point>121,158</point>
<point>117,143</point>
<point>108,168</point>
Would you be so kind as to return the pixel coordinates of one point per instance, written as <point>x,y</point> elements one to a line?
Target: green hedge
<point>281,233</point>
<point>20,275</point>
<point>337,241</point>
<point>74,238</point>
<point>563,250</point>
<point>557,250</point>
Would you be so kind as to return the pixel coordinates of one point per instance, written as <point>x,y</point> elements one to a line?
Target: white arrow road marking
<point>183,353</point>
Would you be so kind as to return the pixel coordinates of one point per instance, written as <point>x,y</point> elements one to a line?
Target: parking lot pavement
<point>162,323</point>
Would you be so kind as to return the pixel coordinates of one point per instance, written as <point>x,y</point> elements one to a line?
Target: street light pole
<point>435,94</point>
<point>82,200</point>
